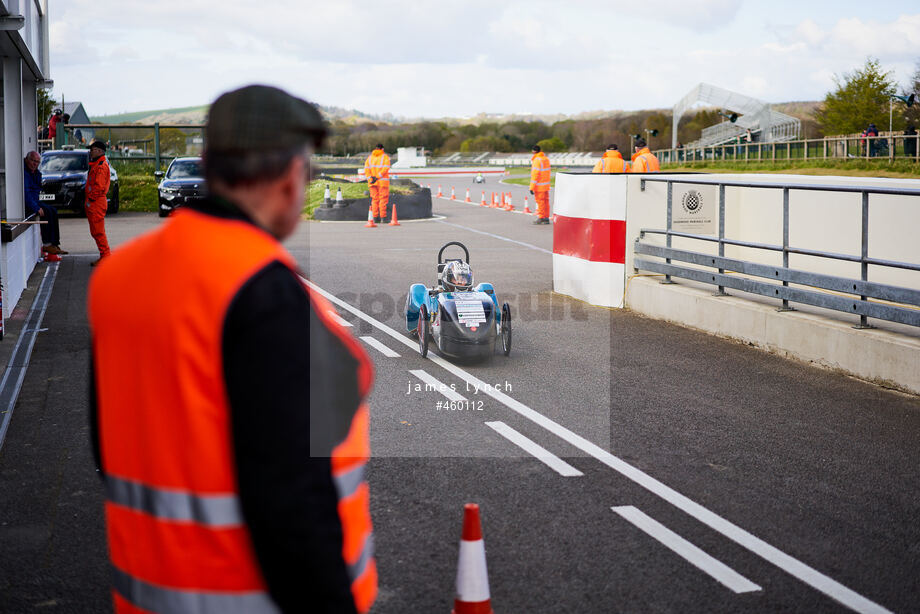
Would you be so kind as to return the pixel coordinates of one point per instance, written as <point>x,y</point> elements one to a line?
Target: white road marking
<point>340,319</point>
<point>696,557</point>
<point>489,234</point>
<point>542,454</point>
<point>380,347</point>
<point>444,389</point>
<point>789,564</point>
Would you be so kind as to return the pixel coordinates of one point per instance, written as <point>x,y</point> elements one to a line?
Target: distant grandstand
<point>766,125</point>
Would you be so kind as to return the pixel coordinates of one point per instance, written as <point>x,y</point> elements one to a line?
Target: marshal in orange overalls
<point>377,167</point>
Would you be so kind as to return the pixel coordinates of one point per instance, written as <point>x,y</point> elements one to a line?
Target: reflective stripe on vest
<point>155,598</point>
<point>218,511</point>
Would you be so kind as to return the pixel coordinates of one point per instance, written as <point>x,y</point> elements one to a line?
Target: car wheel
<point>114,202</point>
<point>424,331</point>
<point>506,329</point>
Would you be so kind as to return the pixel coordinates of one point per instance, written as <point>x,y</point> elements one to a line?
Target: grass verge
<point>317,190</point>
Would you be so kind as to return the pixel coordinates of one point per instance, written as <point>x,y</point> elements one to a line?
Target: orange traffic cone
<point>468,195</point>
<point>452,195</point>
<point>370,219</point>
<point>509,205</point>
<point>483,203</point>
<point>526,206</point>
<point>472,577</point>
<point>494,197</point>
<point>394,221</point>
<point>439,191</point>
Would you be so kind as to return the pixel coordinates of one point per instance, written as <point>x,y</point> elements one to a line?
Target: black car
<point>182,184</point>
<point>64,180</point>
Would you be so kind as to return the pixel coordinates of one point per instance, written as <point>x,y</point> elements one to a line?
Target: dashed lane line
<point>494,236</point>
<point>436,386</point>
<point>787,563</point>
<point>534,449</point>
<point>721,572</point>
<point>380,347</point>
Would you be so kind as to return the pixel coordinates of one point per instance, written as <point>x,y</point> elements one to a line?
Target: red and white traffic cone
<point>452,195</point>
<point>440,195</point>
<point>483,203</point>
<point>370,218</point>
<point>394,221</point>
<point>509,205</point>
<point>468,196</point>
<point>526,206</point>
<point>494,200</point>
<point>472,577</point>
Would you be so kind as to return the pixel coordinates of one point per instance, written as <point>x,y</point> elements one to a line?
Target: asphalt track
<point>691,474</point>
<point>793,486</point>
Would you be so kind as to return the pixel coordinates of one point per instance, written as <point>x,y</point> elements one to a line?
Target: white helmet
<point>457,276</point>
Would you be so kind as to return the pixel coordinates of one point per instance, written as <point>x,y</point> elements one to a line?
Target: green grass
<point>855,168</point>
<point>317,190</point>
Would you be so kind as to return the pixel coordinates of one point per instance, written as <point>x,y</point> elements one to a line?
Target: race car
<point>463,320</point>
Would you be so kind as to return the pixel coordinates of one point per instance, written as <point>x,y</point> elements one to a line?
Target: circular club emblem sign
<point>692,202</point>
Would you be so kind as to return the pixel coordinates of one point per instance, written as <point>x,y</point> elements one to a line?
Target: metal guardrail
<point>849,147</point>
<point>907,299</point>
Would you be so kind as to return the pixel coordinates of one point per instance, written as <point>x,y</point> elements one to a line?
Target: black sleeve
<point>288,496</point>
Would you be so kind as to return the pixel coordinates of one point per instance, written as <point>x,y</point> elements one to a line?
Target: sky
<point>419,58</point>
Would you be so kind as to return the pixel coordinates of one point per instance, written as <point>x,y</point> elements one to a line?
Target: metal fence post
<point>156,143</point>
<point>864,266</point>
<point>667,278</point>
<point>786,306</point>
<point>721,290</point>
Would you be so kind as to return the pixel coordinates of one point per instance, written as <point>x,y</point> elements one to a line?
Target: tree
<point>45,106</point>
<point>552,144</point>
<point>911,115</point>
<point>860,98</point>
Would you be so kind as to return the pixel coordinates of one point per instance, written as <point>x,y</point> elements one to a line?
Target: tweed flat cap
<point>261,117</point>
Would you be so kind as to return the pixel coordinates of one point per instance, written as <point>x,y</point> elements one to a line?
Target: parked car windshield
<point>184,169</point>
<point>60,163</point>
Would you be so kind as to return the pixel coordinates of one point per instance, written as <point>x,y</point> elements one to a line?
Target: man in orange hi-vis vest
<point>644,160</point>
<point>612,162</point>
<point>539,184</point>
<point>224,493</point>
<point>377,173</point>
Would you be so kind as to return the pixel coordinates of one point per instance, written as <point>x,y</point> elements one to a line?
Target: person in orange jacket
<point>539,184</point>
<point>612,162</point>
<point>644,161</point>
<point>235,477</point>
<point>377,173</point>
<point>97,186</point>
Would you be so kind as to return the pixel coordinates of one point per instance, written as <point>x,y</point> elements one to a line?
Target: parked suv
<point>64,180</point>
<point>181,184</point>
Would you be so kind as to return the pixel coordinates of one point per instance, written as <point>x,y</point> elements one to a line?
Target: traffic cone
<point>468,195</point>
<point>483,203</point>
<point>472,577</point>
<point>509,206</point>
<point>452,195</point>
<point>49,257</point>
<point>526,206</point>
<point>327,197</point>
<point>440,195</point>
<point>339,201</point>
<point>394,221</point>
<point>493,200</point>
<point>370,219</point>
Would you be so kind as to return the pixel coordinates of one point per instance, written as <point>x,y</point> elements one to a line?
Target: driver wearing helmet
<point>457,277</point>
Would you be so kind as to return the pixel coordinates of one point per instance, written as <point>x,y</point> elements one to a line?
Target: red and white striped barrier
<point>589,238</point>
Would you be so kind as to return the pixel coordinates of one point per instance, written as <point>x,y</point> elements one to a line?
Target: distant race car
<point>463,321</point>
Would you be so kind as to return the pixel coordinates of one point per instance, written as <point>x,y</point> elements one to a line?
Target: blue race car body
<point>462,324</point>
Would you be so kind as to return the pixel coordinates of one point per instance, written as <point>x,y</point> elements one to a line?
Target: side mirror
<point>159,174</point>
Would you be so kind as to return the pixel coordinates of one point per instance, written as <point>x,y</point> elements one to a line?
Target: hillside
<point>196,115</point>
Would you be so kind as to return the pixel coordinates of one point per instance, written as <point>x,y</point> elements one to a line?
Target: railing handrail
<point>791,186</point>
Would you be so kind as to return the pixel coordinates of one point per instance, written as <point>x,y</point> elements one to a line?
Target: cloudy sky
<point>418,58</point>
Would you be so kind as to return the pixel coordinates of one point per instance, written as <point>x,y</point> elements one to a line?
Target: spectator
<point>97,186</point>
<point>32,182</point>
<point>612,162</point>
<point>910,143</point>
<point>211,420</point>
<point>53,122</point>
<point>870,141</point>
